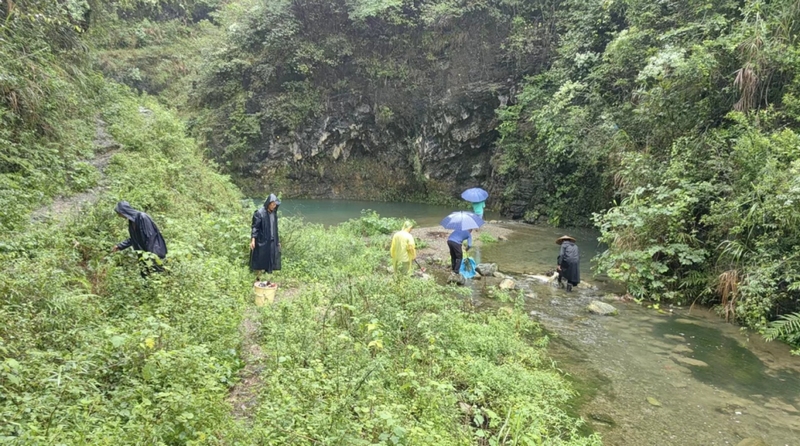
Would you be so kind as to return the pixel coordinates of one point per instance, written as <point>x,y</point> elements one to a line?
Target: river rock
<point>689,361</point>
<point>751,442</point>
<point>583,285</point>
<point>679,385</point>
<point>502,238</point>
<point>653,401</point>
<point>507,284</point>
<point>675,337</point>
<point>775,403</point>
<point>682,349</point>
<point>603,418</point>
<point>538,278</point>
<point>602,308</point>
<point>456,278</point>
<point>486,269</point>
<point>611,298</point>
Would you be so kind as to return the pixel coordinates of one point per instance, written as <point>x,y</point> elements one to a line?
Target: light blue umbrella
<point>475,195</point>
<point>462,220</point>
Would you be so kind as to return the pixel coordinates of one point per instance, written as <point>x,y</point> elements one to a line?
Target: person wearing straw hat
<point>403,250</point>
<point>265,245</point>
<point>568,262</point>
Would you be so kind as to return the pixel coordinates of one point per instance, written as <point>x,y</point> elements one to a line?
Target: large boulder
<point>602,308</point>
<point>486,269</point>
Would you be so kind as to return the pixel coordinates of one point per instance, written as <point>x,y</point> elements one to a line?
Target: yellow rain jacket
<point>403,250</point>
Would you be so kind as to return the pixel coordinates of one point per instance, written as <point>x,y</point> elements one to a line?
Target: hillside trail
<point>63,206</point>
<point>243,396</point>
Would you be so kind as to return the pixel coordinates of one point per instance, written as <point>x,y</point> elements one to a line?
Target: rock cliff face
<point>337,99</point>
<point>349,153</point>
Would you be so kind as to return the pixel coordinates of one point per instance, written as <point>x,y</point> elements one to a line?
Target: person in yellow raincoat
<point>403,250</point>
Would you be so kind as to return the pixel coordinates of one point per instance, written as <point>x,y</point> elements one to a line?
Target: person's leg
<point>452,247</point>
<point>459,257</point>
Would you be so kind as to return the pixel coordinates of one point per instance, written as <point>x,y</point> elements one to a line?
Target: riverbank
<point>434,239</point>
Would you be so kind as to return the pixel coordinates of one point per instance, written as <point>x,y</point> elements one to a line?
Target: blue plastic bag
<point>467,268</point>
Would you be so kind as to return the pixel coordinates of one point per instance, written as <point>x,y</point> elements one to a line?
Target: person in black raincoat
<point>568,262</point>
<point>265,245</point>
<point>144,236</point>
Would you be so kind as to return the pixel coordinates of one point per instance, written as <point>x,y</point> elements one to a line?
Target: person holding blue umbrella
<point>462,223</point>
<point>477,197</point>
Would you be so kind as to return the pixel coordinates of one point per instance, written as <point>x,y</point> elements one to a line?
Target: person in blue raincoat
<point>144,237</point>
<point>265,245</point>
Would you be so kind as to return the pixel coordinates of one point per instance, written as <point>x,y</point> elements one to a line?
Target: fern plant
<point>787,327</point>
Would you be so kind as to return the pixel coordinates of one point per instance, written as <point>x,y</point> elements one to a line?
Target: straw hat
<point>563,238</point>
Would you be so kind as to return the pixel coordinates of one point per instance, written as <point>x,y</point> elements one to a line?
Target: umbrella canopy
<point>462,221</point>
<point>475,195</point>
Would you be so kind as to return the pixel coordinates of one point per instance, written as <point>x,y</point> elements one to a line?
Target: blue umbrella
<point>475,195</point>
<point>462,220</point>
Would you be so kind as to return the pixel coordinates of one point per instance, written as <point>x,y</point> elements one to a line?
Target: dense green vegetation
<point>91,353</point>
<point>675,123</point>
<point>356,357</point>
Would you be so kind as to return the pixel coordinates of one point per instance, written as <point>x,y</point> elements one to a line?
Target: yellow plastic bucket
<point>264,294</point>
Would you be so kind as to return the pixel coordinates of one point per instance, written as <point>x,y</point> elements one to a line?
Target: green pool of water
<point>333,212</point>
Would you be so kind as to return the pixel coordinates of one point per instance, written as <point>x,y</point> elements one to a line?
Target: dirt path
<point>105,148</point>
<point>244,395</point>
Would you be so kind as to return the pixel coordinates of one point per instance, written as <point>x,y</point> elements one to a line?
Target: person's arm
<point>122,245</point>
<point>412,249</point>
<point>254,227</point>
<point>560,257</point>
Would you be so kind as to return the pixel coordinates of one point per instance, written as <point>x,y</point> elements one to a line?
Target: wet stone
<point>602,308</point>
<point>682,349</point>
<point>679,385</point>
<point>751,442</point>
<point>777,404</point>
<point>486,269</point>
<point>507,284</point>
<point>653,401</point>
<point>690,361</point>
<point>675,337</point>
<point>602,418</point>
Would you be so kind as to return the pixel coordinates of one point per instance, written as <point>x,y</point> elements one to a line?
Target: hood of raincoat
<point>407,226</point>
<point>270,199</point>
<point>126,210</point>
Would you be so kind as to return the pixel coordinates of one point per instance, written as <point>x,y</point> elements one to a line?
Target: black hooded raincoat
<point>266,255</point>
<point>144,234</point>
<point>569,260</point>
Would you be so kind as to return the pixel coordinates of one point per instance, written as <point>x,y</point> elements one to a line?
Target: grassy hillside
<point>91,353</point>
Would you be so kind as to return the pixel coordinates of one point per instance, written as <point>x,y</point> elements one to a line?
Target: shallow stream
<point>672,376</point>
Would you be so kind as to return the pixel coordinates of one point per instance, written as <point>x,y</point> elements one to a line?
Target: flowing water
<point>672,376</point>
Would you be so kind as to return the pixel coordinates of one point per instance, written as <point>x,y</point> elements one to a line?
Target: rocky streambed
<point>646,375</point>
